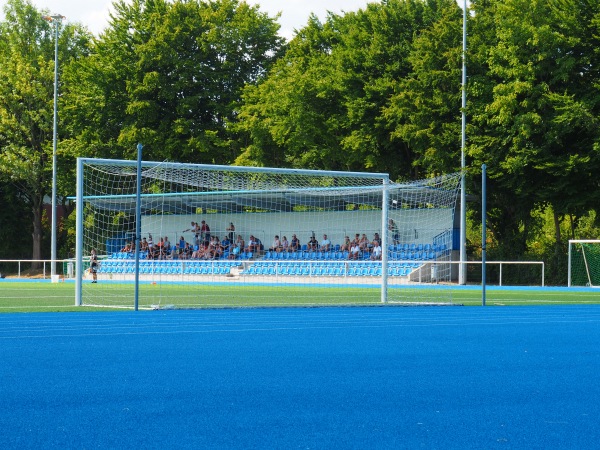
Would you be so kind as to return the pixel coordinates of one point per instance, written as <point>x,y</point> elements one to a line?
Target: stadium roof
<point>399,196</point>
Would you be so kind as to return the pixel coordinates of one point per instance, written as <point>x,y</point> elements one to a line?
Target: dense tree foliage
<point>535,113</point>
<point>170,74</point>
<point>26,104</point>
<point>322,105</point>
<point>378,89</point>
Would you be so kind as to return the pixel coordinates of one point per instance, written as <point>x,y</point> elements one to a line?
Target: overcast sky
<point>294,13</point>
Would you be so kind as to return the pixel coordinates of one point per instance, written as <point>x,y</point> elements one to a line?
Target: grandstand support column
<point>462,272</point>
<point>384,238</point>
<point>79,233</point>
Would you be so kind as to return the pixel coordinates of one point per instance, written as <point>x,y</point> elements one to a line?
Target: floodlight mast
<point>56,21</point>
<point>462,272</point>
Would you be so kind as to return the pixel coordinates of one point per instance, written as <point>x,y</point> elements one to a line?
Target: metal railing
<point>68,267</point>
<point>65,267</point>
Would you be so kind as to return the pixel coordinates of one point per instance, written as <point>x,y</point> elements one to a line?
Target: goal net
<point>584,263</point>
<point>219,236</point>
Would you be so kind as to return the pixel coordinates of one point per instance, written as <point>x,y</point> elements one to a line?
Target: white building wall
<point>415,226</point>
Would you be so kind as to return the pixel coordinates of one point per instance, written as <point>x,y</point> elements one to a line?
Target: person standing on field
<point>94,265</point>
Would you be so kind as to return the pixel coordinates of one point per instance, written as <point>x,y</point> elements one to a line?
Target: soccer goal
<point>220,236</point>
<point>584,263</point>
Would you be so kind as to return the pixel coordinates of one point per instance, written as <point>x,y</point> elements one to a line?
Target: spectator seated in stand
<point>285,244</point>
<point>376,251</point>
<point>237,248</point>
<point>364,243</point>
<point>198,253</point>
<point>253,244</point>
<point>345,247</point>
<point>160,249</point>
<point>175,251</point>
<point>186,252</point>
<point>294,244</point>
<point>226,244</point>
<point>276,246</point>
<point>312,244</point>
<point>259,246</point>
<point>354,251</point>
<point>215,247</point>
<point>325,244</point>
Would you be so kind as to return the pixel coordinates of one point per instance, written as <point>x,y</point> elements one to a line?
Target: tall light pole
<point>56,20</point>
<point>462,271</point>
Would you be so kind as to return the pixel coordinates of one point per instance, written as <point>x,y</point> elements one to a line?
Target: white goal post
<point>584,262</point>
<point>243,236</point>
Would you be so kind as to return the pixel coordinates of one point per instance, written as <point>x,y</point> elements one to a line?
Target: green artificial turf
<point>44,296</point>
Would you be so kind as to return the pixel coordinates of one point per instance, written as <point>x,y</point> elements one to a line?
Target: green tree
<point>322,105</point>
<point>26,103</point>
<point>535,109</point>
<point>170,75</point>
<point>424,111</point>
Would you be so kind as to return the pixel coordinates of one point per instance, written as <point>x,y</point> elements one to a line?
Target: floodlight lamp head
<point>54,17</point>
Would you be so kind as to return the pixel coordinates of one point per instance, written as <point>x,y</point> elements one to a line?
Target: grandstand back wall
<point>336,224</point>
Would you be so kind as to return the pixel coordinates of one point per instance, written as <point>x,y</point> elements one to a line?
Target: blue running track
<point>356,378</point>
